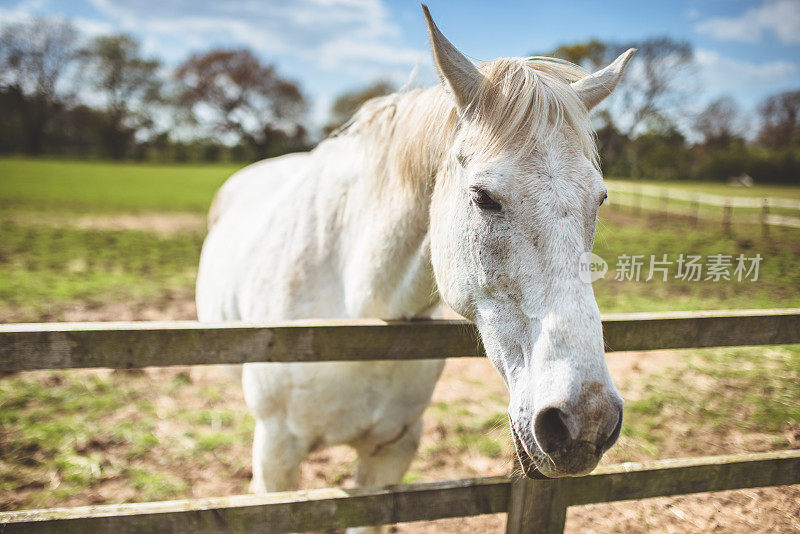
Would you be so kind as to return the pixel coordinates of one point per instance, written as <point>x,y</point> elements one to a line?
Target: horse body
<point>482,191</point>
<point>310,236</point>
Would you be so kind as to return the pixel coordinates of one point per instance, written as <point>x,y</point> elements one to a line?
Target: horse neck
<point>388,267</point>
<point>400,141</point>
<point>405,137</point>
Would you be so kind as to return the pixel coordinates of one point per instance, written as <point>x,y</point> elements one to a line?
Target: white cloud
<point>726,74</point>
<point>26,12</point>
<point>781,17</point>
<point>332,34</point>
<point>92,28</point>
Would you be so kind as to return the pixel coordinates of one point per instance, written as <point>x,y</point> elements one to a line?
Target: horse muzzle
<point>552,451</point>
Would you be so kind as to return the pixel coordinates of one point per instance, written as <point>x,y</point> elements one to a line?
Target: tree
<point>655,88</point>
<point>241,97</point>
<point>648,99</point>
<point>589,55</point>
<point>780,115</point>
<point>718,123</point>
<point>348,103</point>
<point>130,84</point>
<point>652,87</point>
<point>34,56</point>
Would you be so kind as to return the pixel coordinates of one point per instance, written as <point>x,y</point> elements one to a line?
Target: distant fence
<point>687,203</point>
<point>532,505</point>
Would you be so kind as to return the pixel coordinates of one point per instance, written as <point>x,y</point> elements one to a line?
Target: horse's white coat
<point>373,221</point>
<point>306,236</point>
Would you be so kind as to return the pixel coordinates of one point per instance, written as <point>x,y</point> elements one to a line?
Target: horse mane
<point>521,102</point>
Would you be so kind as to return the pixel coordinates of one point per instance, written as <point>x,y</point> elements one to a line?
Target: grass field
<point>46,269</point>
<point>69,187</point>
<point>49,262</point>
<point>83,437</point>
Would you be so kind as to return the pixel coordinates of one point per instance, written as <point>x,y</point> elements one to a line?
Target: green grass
<point>697,406</point>
<point>43,268</point>
<point>64,432</point>
<point>50,425</point>
<point>778,284</point>
<point>99,187</point>
<point>466,428</point>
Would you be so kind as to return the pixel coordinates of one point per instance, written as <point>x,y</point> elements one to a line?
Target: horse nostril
<point>614,436</point>
<point>550,430</point>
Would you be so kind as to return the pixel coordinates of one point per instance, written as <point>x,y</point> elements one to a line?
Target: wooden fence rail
<point>26,347</point>
<point>532,505</point>
<point>324,509</point>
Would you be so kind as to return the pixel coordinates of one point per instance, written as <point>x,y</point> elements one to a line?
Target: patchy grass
<point>720,401</point>
<point>154,486</point>
<point>469,429</point>
<point>44,268</point>
<point>63,434</point>
<point>83,437</point>
<point>710,401</point>
<point>778,283</point>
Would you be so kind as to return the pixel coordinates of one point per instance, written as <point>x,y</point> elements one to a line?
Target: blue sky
<point>745,49</point>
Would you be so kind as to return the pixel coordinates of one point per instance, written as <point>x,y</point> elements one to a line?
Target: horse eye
<point>602,200</point>
<point>482,199</point>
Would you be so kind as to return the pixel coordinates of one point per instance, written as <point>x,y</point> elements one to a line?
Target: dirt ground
<point>161,223</point>
<point>759,510</point>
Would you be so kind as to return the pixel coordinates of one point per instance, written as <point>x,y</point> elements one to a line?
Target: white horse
<point>482,191</point>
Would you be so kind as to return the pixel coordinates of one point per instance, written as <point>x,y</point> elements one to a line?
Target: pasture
<point>97,241</point>
<point>72,187</point>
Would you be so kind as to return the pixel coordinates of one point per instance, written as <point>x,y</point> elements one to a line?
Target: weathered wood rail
<point>25,347</point>
<point>532,505</point>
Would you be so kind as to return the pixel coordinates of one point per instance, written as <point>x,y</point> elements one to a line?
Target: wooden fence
<point>687,203</point>
<point>532,505</point>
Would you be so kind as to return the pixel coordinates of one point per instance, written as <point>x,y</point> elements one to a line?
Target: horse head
<point>513,211</point>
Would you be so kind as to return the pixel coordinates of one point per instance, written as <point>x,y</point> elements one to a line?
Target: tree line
<point>642,134</point>
<point>64,94</point>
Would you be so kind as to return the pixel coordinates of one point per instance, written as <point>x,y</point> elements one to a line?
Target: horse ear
<point>454,69</point>
<point>592,89</point>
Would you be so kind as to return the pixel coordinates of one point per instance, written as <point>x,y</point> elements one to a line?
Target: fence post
<point>537,506</point>
<point>765,217</point>
<point>726,216</point>
<point>637,201</point>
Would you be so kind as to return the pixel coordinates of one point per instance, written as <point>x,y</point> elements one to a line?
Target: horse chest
<point>347,402</point>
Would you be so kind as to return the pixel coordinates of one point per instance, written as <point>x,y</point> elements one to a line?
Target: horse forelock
<point>520,105</point>
<point>523,102</point>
